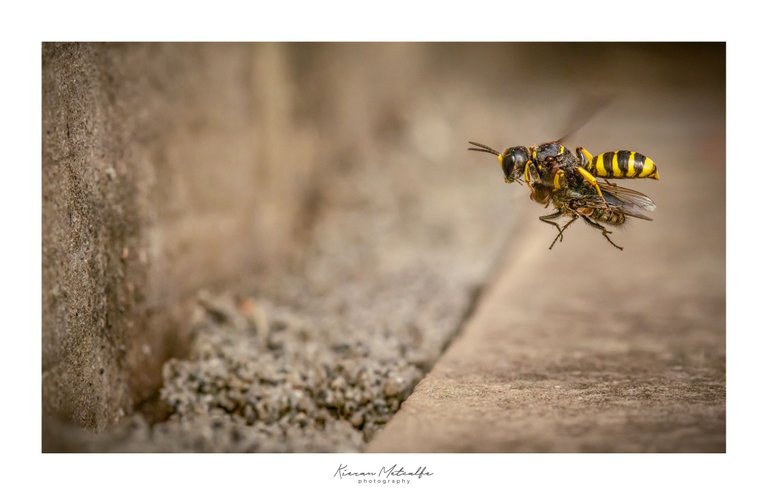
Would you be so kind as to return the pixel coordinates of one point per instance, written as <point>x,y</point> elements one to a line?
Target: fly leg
<point>560,235</point>
<point>605,231</point>
<point>548,219</point>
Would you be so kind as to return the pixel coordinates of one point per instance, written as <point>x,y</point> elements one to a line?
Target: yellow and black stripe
<point>623,164</point>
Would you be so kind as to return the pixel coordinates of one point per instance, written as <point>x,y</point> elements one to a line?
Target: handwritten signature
<point>392,472</point>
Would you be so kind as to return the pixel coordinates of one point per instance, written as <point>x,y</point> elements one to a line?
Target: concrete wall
<point>172,167</point>
<point>163,172</point>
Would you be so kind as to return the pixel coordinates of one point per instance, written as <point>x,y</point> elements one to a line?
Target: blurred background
<point>279,240</point>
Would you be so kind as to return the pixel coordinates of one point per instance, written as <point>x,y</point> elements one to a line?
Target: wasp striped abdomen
<point>623,165</point>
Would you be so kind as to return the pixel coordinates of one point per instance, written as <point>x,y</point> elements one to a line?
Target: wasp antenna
<point>483,147</point>
<point>483,150</point>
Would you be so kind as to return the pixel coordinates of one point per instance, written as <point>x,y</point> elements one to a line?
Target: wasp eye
<point>506,165</point>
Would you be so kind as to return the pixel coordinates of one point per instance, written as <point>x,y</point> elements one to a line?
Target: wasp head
<point>512,160</point>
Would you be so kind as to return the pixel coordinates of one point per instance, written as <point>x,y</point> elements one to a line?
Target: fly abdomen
<point>605,215</point>
<point>623,164</point>
<point>612,217</point>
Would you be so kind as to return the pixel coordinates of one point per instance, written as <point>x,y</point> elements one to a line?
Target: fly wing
<point>629,196</point>
<point>632,202</point>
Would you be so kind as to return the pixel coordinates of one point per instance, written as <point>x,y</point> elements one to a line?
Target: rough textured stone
<point>163,172</point>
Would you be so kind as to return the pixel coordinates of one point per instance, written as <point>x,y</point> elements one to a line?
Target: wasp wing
<point>585,111</point>
<point>631,202</point>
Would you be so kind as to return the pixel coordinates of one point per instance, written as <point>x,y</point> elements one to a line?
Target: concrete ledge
<point>588,349</point>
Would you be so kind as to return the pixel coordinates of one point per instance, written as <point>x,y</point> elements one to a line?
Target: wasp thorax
<point>513,162</point>
<point>548,150</point>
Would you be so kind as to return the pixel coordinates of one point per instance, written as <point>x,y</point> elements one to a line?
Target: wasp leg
<point>527,174</point>
<point>592,182</point>
<point>605,231</point>
<point>559,180</point>
<point>584,156</point>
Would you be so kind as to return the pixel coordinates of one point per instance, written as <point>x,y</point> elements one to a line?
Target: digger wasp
<point>570,183</point>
